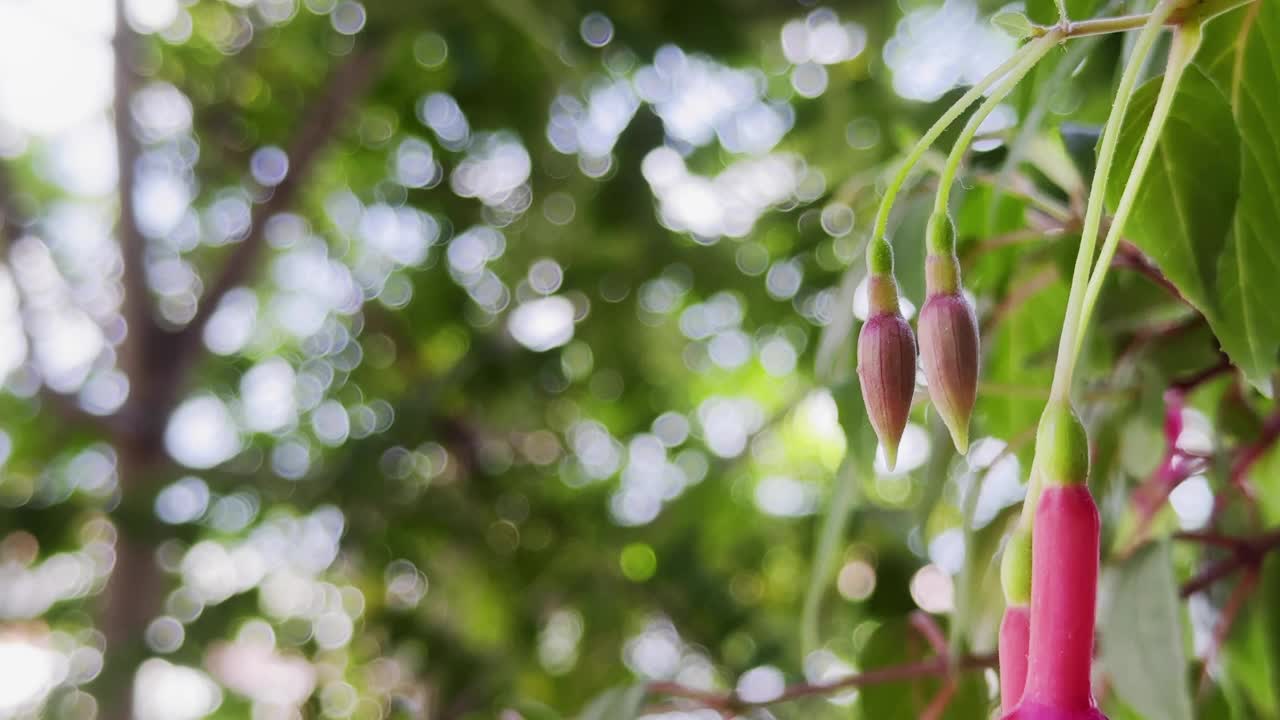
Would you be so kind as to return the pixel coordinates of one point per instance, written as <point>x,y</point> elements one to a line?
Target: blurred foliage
<point>547,384</point>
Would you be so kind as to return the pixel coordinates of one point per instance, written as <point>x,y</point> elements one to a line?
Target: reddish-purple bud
<point>949,351</point>
<point>887,368</point>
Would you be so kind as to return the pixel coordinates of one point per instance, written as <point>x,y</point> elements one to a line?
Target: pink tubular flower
<point>1064,589</point>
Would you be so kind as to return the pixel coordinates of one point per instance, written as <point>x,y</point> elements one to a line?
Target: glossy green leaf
<point>1220,48</point>
<point>1248,325</point>
<point>1141,626</point>
<point>1184,206</point>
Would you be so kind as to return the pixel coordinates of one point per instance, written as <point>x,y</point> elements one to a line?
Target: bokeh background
<point>470,359</point>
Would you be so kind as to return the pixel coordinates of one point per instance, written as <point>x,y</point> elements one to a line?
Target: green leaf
<point>1013,22</point>
<point>1252,650</point>
<point>895,642</point>
<point>1220,46</point>
<point>1018,367</point>
<point>1248,325</point>
<point>616,704</point>
<point>1142,647</point>
<point>1265,475</point>
<point>1184,207</point>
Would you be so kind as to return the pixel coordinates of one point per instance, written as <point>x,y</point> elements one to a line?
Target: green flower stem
<point>879,253</point>
<point>830,534</point>
<point>942,242</point>
<point>1190,11</point>
<point>1096,26</point>
<point>1185,44</point>
<point>1064,370</point>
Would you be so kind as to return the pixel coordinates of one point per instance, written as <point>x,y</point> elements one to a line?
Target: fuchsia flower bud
<point>1064,576</point>
<point>1064,590</point>
<point>949,348</point>
<point>1015,637</point>
<point>887,366</point>
<point>1015,628</point>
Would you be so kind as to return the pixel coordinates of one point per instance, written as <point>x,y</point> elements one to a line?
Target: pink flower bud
<point>1038,711</point>
<point>1015,635</point>
<point>949,350</point>
<point>1063,599</point>
<point>887,369</point>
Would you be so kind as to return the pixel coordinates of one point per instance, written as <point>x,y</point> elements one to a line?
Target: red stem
<point>1246,552</point>
<point>1229,613</point>
<point>1129,256</point>
<point>928,628</point>
<point>1253,452</point>
<point>940,701</point>
<point>1187,384</point>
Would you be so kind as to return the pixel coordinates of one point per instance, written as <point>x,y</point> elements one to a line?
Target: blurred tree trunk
<point>160,362</point>
<point>132,598</point>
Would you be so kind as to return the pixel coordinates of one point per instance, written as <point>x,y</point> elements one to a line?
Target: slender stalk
<point>824,564</point>
<point>963,615</point>
<point>943,243</point>
<point>1029,128</point>
<point>1185,43</point>
<point>1065,368</point>
<point>1096,26</point>
<point>1198,11</point>
<point>878,252</point>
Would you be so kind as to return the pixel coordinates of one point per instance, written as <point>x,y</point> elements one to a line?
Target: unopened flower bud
<point>1015,568</point>
<point>1062,447</point>
<point>949,351</point>
<point>887,370</point>
<point>1015,637</point>
<point>1064,593</point>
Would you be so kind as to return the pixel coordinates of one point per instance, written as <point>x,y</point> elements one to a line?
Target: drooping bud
<point>887,366</point>
<point>1062,447</point>
<point>1064,592</point>
<point>1015,628</point>
<point>949,348</point>
<point>1015,638</point>
<point>1015,568</point>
